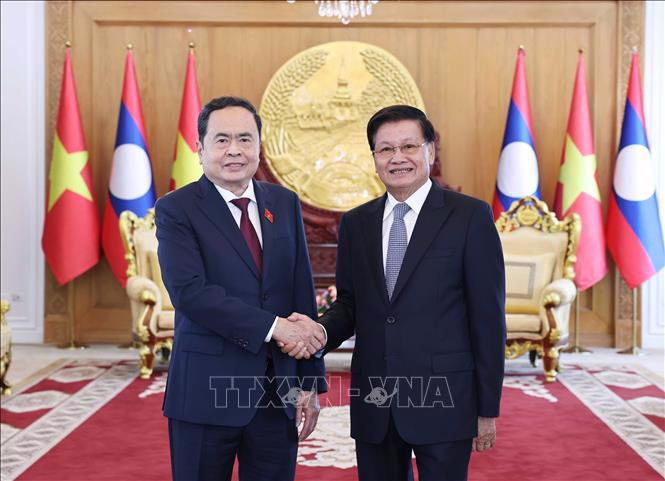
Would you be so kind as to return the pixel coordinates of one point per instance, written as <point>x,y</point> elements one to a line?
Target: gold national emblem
<point>315,112</point>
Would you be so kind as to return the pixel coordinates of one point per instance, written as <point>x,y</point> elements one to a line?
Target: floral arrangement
<point>325,298</point>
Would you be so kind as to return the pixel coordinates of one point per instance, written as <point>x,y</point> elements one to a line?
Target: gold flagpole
<point>70,321</point>
<point>633,349</point>
<point>577,348</point>
<point>133,344</point>
<point>70,20</point>
<point>71,327</point>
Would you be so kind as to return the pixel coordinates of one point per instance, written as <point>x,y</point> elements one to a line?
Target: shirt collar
<point>229,196</point>
<point>415,201</point>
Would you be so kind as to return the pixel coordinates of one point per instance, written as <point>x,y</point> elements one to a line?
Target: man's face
<point>402,173</point>
<point>229,154</point>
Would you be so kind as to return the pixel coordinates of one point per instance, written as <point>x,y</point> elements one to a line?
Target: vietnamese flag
<point>71,226</point>
<point>577,189</point>
<point>186,167</point>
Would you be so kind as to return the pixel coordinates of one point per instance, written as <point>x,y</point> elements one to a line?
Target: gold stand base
<point>72,346</point>
<point>634,351</point>
<point>130,345</point>
<point>577,350</point>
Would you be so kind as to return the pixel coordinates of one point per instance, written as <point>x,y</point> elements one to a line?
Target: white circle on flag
<point>518,170</point>
<point>131,176</point>
<point>633,177</point>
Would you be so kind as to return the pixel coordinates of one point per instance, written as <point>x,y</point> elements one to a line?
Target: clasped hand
<point>299,336</point>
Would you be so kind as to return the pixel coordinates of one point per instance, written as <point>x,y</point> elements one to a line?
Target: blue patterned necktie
<point>397,242</point>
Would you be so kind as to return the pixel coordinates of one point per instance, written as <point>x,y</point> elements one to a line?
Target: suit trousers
<point>390,460</point>
<point>266,448</point>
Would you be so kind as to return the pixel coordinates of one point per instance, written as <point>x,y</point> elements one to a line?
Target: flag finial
<point>68,44</point>
<point>634,49</point>
<point>192,45</point>
<point>521,47</point>
<point>580,50</point>
<point>130,46</point>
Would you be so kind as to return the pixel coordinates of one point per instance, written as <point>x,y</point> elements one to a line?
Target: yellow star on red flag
<point>65,173</point>
<point>578,174</point>
<point>186,167</point>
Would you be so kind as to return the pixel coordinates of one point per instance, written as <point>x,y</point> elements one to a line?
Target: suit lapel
<point>432,216</point>
<point>266,208</point>
<point>214,207</point>
<point>374,243</point>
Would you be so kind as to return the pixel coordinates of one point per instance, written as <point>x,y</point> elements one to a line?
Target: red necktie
<point>248,231</point>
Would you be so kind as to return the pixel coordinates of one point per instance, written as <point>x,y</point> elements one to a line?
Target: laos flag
<point>634,234</point>
<point>131,186</point>
<point>518,165</point>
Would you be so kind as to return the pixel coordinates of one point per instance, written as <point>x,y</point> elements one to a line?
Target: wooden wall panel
<point>461,54</point>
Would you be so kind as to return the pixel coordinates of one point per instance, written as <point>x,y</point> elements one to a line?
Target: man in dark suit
<point>420,280</point>
<point>234,260</point>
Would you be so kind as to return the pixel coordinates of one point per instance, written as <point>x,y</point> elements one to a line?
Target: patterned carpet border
<point>21,450</point>
<point>636,430</point>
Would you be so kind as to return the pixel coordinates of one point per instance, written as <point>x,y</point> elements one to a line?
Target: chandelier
<point>345,10</point>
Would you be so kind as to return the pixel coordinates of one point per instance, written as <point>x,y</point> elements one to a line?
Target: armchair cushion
<point>523,323</point>
<point>156,274</point>
<point>166,321</point>
<point>526,277</point>
<point>531,242</point>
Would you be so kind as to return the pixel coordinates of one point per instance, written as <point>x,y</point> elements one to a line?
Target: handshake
<point>299,336</point>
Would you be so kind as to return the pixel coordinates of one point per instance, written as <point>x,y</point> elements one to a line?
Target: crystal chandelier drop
<point>345,10</point>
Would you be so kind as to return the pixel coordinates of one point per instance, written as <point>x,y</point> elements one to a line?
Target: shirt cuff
<point>319,353</point>
<point>272,328</point>
<point>325,333</point>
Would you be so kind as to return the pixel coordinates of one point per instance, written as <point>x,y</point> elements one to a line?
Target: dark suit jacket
<point>224,307</point>
<point>445,321</point>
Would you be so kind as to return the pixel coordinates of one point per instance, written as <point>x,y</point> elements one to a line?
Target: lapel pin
<point>268,215</point>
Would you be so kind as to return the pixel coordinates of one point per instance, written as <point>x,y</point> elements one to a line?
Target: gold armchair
<point>5,348</point>
<point>153,315</point>
<point>539,252</point>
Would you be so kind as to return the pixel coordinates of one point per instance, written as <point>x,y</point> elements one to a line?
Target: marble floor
<point>28,360</point>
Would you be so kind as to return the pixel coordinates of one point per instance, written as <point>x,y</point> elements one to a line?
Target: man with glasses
<point>234,260</point>
<point>420,281</point>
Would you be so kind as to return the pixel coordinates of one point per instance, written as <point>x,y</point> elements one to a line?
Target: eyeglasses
<point>385,153</point>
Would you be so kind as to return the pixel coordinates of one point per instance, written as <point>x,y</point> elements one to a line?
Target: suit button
<point>390,320</point>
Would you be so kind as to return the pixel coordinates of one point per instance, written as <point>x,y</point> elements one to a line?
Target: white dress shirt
<point>252,207</point>
<point>253,212</point>
<point>415,201</point>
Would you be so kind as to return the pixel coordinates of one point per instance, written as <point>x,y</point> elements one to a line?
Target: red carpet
<point>96,421</point>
